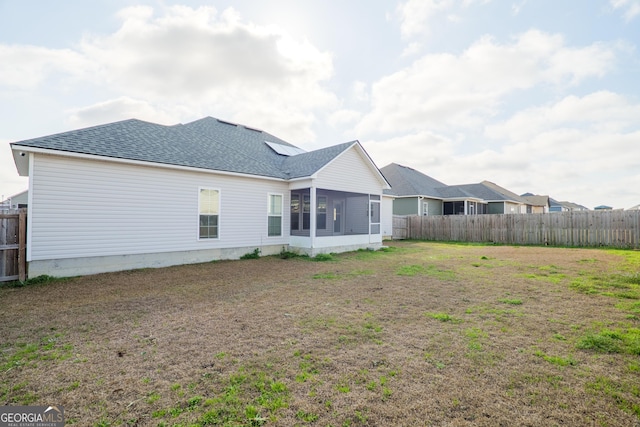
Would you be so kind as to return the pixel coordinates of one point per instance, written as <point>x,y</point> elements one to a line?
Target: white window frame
<point>205,239</point>
<point>269,214</point>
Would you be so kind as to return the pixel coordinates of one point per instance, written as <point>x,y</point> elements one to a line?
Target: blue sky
<point>536,96</point>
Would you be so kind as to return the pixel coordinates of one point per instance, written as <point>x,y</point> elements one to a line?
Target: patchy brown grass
<point>421,334</point>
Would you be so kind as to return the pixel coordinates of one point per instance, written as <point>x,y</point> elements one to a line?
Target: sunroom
<point>323,220</point>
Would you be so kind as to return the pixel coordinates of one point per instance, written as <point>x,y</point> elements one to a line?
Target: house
<point>574,207</point>
<point>16,201</point>
<point>603,208</point>
<point>564,206</point>
<point>538,204</point>
<point>414,193</point>
<point>418,194</point>
<point>495,199</point>
<point>135,194</point>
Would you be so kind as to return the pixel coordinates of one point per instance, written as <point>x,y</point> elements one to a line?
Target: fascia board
<point>19,148</point>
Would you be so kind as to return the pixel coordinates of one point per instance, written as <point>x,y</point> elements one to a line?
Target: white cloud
<point>118,109</point>
<point>26,67</point>
<point>602,111</point>
<point>344,117</point>
<point>414,14</point>
<point>411,49</point>
<point>517,7</point>
<point>631,8</point>
<point>425,151</point>
<point>443,90</point>
<point>206,62</point>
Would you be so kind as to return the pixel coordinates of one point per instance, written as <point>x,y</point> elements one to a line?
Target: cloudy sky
<point>538,96</point>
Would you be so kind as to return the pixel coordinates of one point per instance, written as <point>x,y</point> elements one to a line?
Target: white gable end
<point>351,171</point>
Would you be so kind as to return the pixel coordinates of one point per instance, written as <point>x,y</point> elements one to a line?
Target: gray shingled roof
<point>207,143</point>
<point>484,190</point>
<point>406,181</point>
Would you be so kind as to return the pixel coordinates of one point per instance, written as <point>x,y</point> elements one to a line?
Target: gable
<point>351,171</point>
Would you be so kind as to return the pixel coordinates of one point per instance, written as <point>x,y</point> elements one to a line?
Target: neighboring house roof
<point>508,195</point>
<point>603,208</point>
<point>634,208</point>
<point>207,143</point>
<point>574,206</point>
<point>406,181</point>
<point>536,200</point>
<point>484,190</point>
<point>464,191</point>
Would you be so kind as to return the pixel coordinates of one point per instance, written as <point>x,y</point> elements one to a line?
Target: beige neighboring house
<point>537,204</point>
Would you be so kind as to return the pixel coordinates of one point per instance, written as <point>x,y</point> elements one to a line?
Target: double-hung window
<point>274,215</point>
<point>209,210</point>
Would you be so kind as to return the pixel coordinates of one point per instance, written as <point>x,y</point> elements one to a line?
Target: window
<point>374,216</point>
<point>209,209</point>
<point>274,214</point>
<point>295,211</point>
<point>306,212</point>
<point>321,213</point>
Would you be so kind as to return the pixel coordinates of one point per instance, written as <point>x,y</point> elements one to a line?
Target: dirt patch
<point>421,334</point>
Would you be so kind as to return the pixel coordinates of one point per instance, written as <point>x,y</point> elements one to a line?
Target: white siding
<point>89,208</point>
<point>350,172</point>
<point>386,217</point>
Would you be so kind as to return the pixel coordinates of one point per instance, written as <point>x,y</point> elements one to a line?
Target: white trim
<point>370,162</point>
<point>281,214</point>
<point>30,207</point>
<point>140,162</point>
<point>209,239</point>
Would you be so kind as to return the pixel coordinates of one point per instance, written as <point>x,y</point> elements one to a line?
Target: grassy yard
<point>417,334</point>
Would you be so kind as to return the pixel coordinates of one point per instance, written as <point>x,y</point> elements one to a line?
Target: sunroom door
<point>338,217</point>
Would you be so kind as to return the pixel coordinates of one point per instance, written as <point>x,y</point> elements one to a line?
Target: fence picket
<point>618,229</point>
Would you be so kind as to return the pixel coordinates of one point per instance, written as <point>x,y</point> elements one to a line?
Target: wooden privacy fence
<point>616,229</point>
<point>13,245</point>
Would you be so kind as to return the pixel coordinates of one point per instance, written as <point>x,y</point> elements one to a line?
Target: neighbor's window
<point>209,202</point>
<point>275,215</point>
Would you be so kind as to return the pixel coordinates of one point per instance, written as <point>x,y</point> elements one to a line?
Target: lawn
<point>417,334</point>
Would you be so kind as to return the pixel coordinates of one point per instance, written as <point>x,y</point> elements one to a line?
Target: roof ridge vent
<point>227,123</point>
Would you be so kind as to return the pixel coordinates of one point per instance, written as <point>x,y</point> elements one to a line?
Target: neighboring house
<point>134,194</point>
<point>414,192</point>
<point>556,206</point>
<point>634,208</point>
<point>574,207</point>
<point>536,204</point>
<point>16,201</point>
<point>603,208</point>
<point>419,194</point>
